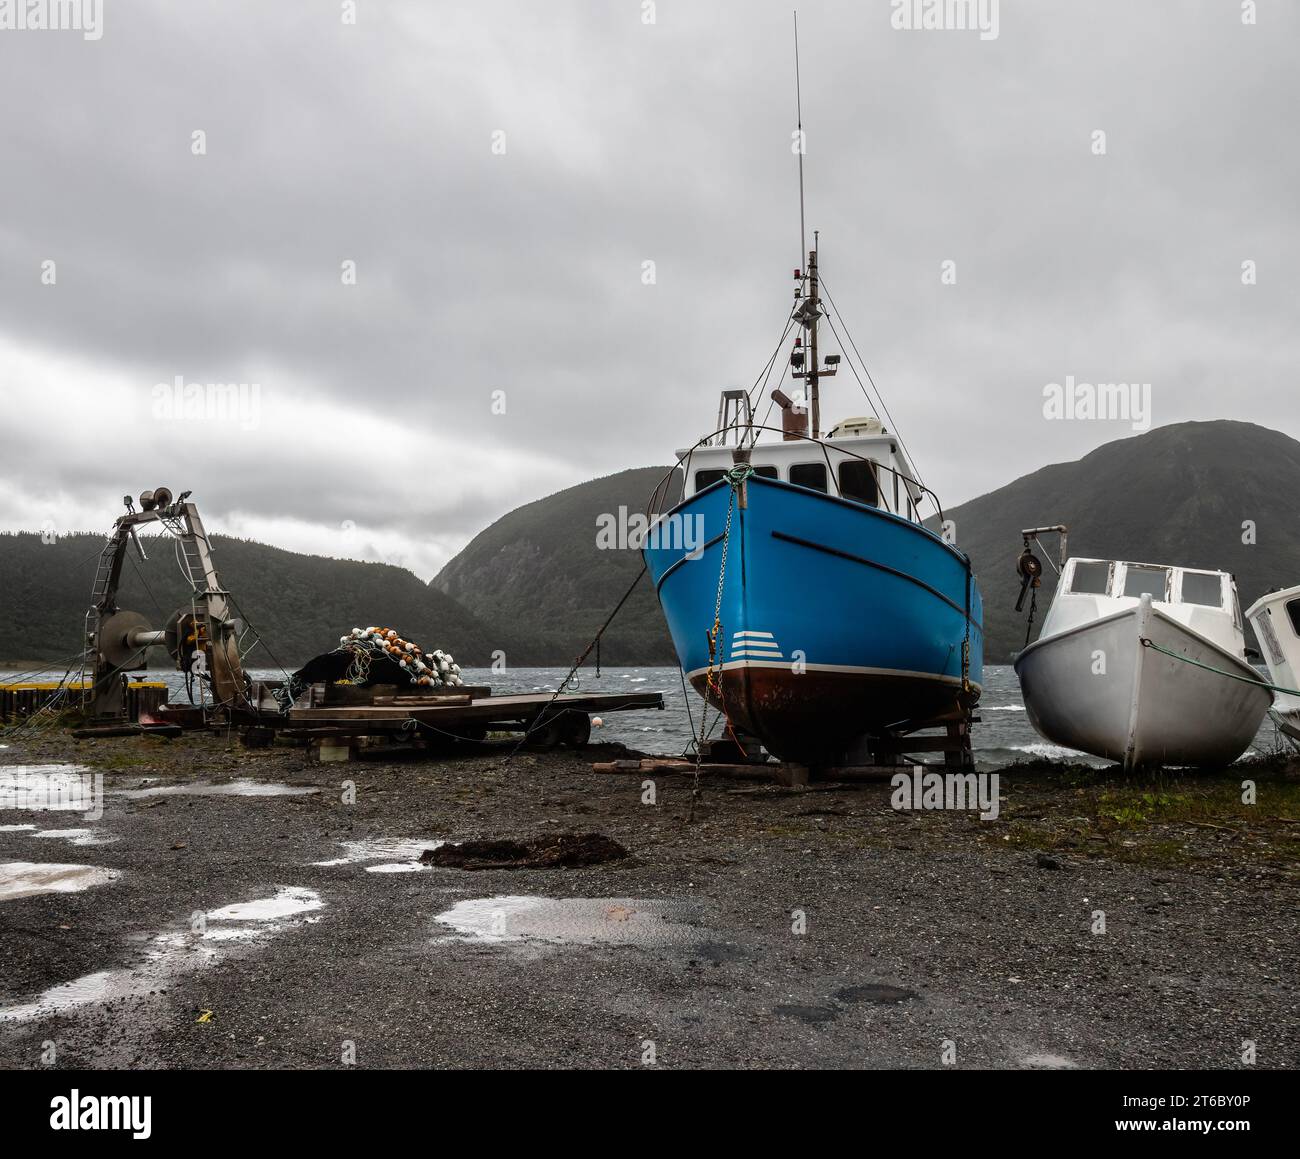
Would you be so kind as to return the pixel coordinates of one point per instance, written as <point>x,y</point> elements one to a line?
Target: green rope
<point>739,473</point>
<point>1146,643</point>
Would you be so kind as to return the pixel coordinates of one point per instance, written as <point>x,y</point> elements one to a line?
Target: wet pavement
<point>223,926</point>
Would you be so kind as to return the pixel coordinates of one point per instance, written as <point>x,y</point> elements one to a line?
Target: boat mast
<point>814,406</point>
<point>810,311</point>
<point>798,114</point>
<point>794,421</point>
<point>813,310</point>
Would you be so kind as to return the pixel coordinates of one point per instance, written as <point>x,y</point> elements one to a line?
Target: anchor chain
<point>736,477</point>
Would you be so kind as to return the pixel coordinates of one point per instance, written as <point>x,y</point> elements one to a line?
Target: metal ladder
<point>98,592</point>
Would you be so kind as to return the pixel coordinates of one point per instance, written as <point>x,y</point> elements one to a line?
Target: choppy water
<point>1003,735</point>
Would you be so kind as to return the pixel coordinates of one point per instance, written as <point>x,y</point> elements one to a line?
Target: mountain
<point>540,565</point>
<point>535,585</point>
<point>1177,495</point>
<point>299,604</point>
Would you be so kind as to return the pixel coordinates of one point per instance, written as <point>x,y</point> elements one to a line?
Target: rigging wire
<point>52,666</point>
<point>830,322</point>
<point>771,402</point>
<point>881,397</point>
<point>541,718</point>
<point>686,700</point>
<point>140,576</point>
<point>766,372</point>
<point>43,712</point>
<point>260,638</point>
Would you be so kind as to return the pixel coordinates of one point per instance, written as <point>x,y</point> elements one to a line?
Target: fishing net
<point>369,656</point>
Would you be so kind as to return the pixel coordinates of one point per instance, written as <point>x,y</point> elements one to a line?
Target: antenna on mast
<point>805,359</point>
<point>798,105</point>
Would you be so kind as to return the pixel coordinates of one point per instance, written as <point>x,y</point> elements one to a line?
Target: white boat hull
<point>1279,642</point>
<point>1097,689</point>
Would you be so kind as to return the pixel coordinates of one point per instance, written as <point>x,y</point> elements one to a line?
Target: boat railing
<point>915,487</point>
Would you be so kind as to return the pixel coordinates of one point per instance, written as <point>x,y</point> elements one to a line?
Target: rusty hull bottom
<point>813,718</point>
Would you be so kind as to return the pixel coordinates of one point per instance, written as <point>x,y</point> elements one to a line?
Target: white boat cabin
<point>1276,620</point>
<point>859,461</point>
<point>1204,601</point>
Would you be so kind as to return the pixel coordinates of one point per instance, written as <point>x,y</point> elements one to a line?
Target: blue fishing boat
<point>807,598</point>
<point>819,611</point>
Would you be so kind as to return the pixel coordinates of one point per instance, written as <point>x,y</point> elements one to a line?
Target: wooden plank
<point>920,744</point>
<point>376,711</point>
<point>431,701</point>
<point>670,767</point>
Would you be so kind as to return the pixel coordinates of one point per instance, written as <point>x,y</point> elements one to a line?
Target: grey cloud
<point>628,143</point>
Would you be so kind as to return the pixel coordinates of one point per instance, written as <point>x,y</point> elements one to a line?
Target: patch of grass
<point>116,761</point>
<point>1168,819</point>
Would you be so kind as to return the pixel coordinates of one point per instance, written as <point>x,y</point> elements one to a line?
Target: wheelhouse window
<point>1293,612</point>
<point>858,482</point>
<point>1199,588</point>
<point>1147,581</point>
<point>811,475</point>
<point>1090,578</point>
<point>766,472</point>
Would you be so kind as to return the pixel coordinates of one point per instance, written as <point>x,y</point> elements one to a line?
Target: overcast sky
<point>520,269</point>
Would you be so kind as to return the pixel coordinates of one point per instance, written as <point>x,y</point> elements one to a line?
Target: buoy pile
<point>424,668</point>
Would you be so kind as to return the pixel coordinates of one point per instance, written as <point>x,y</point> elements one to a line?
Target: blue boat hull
<point>837,620</point>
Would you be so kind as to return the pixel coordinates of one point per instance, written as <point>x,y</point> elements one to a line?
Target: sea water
<point>1002,736</point>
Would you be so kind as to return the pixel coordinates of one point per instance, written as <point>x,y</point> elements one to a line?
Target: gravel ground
<point>783,928</point>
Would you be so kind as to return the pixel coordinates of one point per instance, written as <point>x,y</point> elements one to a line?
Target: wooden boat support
<point>877,758</point>
<point>335,718</point>
<point>949,737</point>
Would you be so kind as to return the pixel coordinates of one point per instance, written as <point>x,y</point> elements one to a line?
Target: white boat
<point>1276,620</point>
<point>1096,679</point>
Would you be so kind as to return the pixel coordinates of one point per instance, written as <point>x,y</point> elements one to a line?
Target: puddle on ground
<point>71,836</point>
<point>240,788</point>
<point>1048,1062</point>
<point>54,788</point>
<point>170,954</point>
<point>78,836</point>
<point>287,902</point>
<point>571,921</point>
<point>396,854</point>
<point>28,878</point>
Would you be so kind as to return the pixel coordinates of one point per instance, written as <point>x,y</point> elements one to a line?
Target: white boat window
<point>858,482</point>
<point>1293,611</point>
<point>1090,578</point>
<point>811,475</point>
<point>1147,581</point>
<point>1199,588</point>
